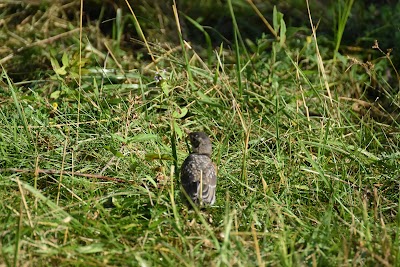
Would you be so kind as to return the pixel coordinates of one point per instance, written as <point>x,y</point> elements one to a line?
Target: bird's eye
<point>194,140</point>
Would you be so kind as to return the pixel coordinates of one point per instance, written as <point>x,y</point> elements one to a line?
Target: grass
<point>305,178</point>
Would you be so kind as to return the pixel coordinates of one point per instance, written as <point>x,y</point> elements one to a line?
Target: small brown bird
<point>198,172</point>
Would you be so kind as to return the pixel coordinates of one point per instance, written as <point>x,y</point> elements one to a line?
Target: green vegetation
<point>93,118</point>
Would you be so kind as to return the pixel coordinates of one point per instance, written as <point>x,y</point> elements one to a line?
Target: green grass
<point>302,180</point>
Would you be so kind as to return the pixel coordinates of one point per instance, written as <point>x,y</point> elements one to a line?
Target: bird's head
<point>201,143</point>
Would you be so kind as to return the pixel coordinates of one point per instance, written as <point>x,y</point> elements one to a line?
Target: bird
<point>198,172</point>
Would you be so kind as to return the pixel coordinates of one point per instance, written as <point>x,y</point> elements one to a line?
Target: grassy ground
<point>92,137</point>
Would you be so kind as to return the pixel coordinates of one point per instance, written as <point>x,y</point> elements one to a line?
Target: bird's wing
<point>189,177</point>
<point>199,177</point>
<point>208,185</point>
